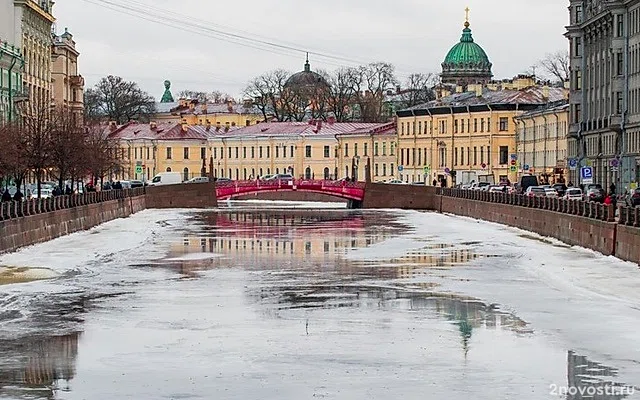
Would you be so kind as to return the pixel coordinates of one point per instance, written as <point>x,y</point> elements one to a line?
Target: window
<point>504,124</point>
<point>455,156</point>
<point>185,172</point>
<point>443,127</point>
<point>475,125</point>
<point>277,151</point>
<point>504,155</point>
<point>618,102</point>
<point>577,79</point>
<point>461,155</point>
<point>619,64</point>
<point>307,151</point>
<point>384,148</point>
<point>375,149</point>
<point>619,25</point>
<point>346,149</point>
<point>578,14</point>
<point>247,122</point>
<point>268,151</point>
<point>326,151</point>
<point>147,153</point>
<point>203,153</point>
<point>375,169</point>
<point>237,155</point>
<point>481,155</point>
<point>186,153</point>
<point>401,156</point>
<point>291,153</point>
<point>577,46</point>
<point>229,157</point>
<point>455,126</point>
<point>355,149</point>
<point>253,153</point>
<point>366,148</point>
<point>135,152</point>
<point>392,149</point>
<point>475,155</point>
<point>481,124</point>
<point>168,153</point>
<point>384,169</point>
<point>391,169</point>
<point>260,154</point>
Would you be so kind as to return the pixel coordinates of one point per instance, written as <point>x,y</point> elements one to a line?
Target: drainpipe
<point>555,114</point>
<point>546,136</point>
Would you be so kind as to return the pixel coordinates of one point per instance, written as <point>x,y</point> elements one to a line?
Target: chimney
<point>319,124</point>
<point>185,127</point>
<point>192,106</point>
<point>153,126</point>
<point>203,108</point>
<point>478,90</point>
<point>113,125</point>
<point>545,93</point>
<point>331,120</point>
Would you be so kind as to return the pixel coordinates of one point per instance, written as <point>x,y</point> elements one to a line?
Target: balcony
<point>76,81</point>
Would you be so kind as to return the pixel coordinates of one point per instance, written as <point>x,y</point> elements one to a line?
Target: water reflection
<point>37,367</point>
<point>591,380</point>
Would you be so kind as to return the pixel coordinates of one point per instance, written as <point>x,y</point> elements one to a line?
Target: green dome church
<point>466,63</point>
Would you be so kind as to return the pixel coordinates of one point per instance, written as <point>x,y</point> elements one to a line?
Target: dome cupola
<point>466,62</point>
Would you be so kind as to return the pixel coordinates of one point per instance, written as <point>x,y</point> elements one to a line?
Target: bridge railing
<point>280,183</point>
<point>17,209</point>
<point>587,209</point>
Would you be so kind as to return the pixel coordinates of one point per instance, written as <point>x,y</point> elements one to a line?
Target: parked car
<point>396,182</point>
<point>595,194</point>
<point>166,178</point>
<point>550,191</point>
<point>633,198</point>
<point>526,181</point>
<point>136,184</point>
<point>573,194</point>
<point>480,186</point>
<point>281,177</point>
<point>267,177</point>
<point>533,191</point>
<point>222,180</point>
<point>561,188</point>
<point>199,179</point>
<point>419,183</point>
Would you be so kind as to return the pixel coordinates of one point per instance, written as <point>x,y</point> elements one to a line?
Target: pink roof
<point>309,129</point>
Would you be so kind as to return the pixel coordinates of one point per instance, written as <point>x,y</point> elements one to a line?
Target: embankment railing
<point>17,209</point>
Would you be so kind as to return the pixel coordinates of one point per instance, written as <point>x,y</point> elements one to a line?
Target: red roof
<point>310,128</point>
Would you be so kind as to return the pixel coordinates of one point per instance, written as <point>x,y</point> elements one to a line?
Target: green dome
<point>466,62</point>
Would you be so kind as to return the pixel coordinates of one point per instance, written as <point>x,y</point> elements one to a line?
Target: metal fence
<point>587,209</point>
<point>17,209</point>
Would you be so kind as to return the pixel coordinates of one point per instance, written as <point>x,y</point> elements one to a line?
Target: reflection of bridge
<point>342,189</point>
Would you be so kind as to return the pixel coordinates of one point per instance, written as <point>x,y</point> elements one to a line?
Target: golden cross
<point>467,13</point>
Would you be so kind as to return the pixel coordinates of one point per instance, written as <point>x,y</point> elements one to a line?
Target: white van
<point>166,178</point>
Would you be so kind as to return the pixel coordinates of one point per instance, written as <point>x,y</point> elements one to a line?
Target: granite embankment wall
<point>292,196</point>
<point>35,221</point>
<point>578,223</point>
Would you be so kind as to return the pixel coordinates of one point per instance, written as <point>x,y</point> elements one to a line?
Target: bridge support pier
<point>354,204</point>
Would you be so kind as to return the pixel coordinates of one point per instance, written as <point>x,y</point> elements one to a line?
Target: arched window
<point>230,174</point>
<point>237,174</point>
<point>168,169</point>
<point>260,172</point>
<point>326,173</point>
<point>307,173</point>
<point>186,174</point>
<point>245,174</point>
<point>268,171</point>
<point>277,170</point>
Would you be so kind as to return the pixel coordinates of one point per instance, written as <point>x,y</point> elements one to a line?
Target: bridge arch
<point>353,191</point>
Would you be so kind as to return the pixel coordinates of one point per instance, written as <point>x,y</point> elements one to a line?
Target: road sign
<point>400,168</point>
<point>614,162</point>
<point>514,156</point>
<point>447,170</point>
<point>513,163</point>
<point>586,175</point>
<point>427,170</point>
<point>573,164</point>
<point>138,169</point>
<point>484,165</point>
<point>513,168</point>
<point>526,167</point>
<point>138,162</point>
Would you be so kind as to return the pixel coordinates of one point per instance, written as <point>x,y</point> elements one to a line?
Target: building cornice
<point>36,8</point>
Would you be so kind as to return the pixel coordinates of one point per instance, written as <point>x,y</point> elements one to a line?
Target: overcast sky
<point>414,35</point>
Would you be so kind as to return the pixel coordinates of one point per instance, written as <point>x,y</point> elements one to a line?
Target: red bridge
<point>343,189</point>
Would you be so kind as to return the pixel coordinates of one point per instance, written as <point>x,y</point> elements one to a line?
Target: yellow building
<point>35,19</point>
<point>542,142</point>
<point>67,83</point>
<point>192,112</point>
<point>309,150</point>
<point>466,135</point>
<point>376,145</point>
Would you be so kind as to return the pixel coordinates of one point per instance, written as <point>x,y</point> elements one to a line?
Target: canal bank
<point>282,303</point>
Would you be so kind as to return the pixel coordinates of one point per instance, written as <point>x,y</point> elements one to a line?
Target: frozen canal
<point>263,301</point>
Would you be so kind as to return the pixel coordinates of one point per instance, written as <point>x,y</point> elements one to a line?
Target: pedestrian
<point>18,196</point>
<point>607,200</point>
<point>614,199</point>
<point>435,182</point>
<point>68,191</point>
<point>6,196</point>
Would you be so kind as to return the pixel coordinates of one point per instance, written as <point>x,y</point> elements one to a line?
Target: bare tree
<point>269,95</point>
<point>67,145</point>
<point>36,130</point>
<point>371,85</point>
<point>201,97</point>
<point>556,66</point>
<point>118,100</point>
<point>341,93</point>
<point>103,155</point>
<point>418,89</point>
<point>13,159</point>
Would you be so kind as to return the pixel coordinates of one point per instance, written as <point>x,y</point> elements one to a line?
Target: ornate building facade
<point>11,64</point>
<point>67,83</point>
<point>33,21</point>
<point>604,38</point>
